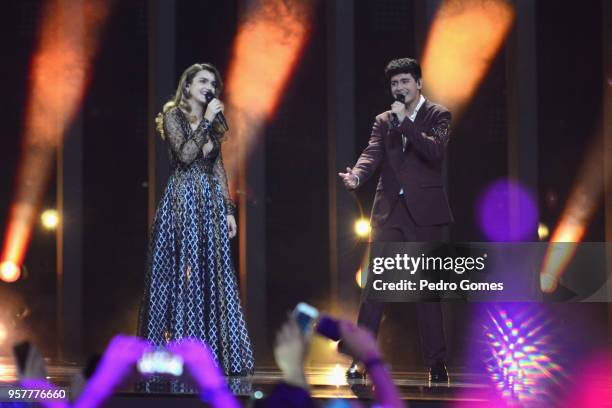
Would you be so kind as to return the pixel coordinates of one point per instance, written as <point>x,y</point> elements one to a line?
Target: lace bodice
<point>185,148</point>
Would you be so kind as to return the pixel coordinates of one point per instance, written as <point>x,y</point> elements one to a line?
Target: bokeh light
<point>9,271</point>
<point>49,219</point>
<point>543,231</point>
<point>3,333</point>
<point>592,387</point>
<point>507,212</point>
<point>358,278</point>
<point>336,376</point>
<point>362,227</point>
<point>521,356</point>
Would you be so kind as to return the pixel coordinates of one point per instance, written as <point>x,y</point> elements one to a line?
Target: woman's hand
<point>214,106</point>
<point>231,226</point>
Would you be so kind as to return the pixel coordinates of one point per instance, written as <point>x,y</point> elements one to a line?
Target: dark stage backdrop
<point>115,177</point>
<point>570,95</point>
<point>296,201</point>
<point>27,307</point>
<point>115,123</point>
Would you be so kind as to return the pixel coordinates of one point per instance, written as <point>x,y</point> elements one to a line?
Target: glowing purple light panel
<point>507,212</point>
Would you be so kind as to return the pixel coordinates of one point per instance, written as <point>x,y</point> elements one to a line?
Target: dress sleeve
<point>219,172</point>
<point>185,148</point>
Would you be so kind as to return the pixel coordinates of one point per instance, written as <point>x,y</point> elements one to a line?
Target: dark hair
<point>403,66</point>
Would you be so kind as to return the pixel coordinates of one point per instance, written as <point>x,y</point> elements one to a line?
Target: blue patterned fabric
<point>190,287</point>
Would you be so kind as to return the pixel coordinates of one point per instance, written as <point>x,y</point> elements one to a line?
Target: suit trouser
<point>400,227</point>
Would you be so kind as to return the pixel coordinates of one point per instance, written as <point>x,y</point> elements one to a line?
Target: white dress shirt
<point>412,117</point>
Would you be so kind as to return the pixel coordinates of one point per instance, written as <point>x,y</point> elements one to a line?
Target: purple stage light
<point>507,212</point>
<point>520,356</point>
<point>591,387</point>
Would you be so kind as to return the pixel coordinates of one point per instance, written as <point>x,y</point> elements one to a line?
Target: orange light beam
<point>578,212</point>
<point>270,39</point>
<point>593,182</point>
<point>59,74</point>
<point>269,42</point>
<point>462,42</point>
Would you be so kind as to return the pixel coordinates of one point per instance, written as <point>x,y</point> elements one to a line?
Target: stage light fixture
<point>362,227</point>
<point>9,271</point>
<point>49,219</point>
<point>336,376</point>
<point>3,333</point>
<point>543,231</point>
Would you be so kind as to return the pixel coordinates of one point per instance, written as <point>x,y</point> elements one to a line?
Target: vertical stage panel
<point>252,242</point>
<point>522,99</point>
<point>607,111</point>
<point>607,135</point>
<point>341,150</point>
<point>161,82</point>
<point>70,234</point>
<point>70,242</point>
<point>251,196</point>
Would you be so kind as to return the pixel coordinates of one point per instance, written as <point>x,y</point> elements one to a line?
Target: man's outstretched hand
<point>349,179</point>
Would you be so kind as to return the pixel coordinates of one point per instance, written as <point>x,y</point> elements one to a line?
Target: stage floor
<point>327,382</point>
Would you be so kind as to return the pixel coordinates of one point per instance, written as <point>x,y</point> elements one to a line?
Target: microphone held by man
<point>394,119</point>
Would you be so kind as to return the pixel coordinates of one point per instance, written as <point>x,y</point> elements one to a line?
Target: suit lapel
<point>415,126</point>
<point>393,143</point>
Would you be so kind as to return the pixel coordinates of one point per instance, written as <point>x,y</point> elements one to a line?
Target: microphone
<point>220,116</point>
<point>394,119</point>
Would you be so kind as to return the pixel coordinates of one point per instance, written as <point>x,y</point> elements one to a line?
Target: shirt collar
<point>416,110</point>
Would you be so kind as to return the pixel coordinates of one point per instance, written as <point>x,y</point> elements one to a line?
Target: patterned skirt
<point>190,286</point>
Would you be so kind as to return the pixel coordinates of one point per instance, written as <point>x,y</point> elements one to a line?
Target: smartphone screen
<point>305,316</point>
<point>160,362</point>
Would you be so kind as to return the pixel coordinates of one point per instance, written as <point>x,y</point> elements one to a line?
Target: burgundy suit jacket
<point>417,169</point>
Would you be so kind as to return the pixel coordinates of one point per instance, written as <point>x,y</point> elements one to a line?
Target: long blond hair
<point>181,95</point>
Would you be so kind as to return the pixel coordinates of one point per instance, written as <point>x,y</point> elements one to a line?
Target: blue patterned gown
<point>190,287</point>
